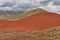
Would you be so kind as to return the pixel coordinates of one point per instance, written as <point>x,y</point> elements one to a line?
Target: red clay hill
<point>41,20</point>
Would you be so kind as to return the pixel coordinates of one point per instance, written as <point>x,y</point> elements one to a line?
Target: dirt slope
<point>42,20</point>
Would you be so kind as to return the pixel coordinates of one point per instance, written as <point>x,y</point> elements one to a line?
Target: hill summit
<point>19,15</point>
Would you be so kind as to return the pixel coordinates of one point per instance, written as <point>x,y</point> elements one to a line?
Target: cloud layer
<point>24,5</point>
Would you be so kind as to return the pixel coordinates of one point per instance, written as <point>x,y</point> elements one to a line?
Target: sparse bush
<point>48,34</point>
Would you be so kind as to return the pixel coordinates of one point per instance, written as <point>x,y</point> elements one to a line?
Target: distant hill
<point>38,21</point>
<point>25,14</point>
<point>8,14</point>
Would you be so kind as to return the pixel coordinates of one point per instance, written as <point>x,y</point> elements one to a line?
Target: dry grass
<point>48,34</point>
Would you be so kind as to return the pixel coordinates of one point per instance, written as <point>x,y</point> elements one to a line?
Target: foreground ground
<point>47,34</point>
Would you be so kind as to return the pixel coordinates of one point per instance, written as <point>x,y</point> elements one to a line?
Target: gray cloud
<point>45,3</point>
<point>24,5</point>
<point>56,3</point>
<point>7,4</point>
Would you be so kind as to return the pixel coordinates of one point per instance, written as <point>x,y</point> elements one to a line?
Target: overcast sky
<point>24,5</point>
